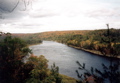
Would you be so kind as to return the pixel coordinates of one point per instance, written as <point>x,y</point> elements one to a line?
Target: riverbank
<point>33,44</point>
<point>67,79</point>
<point>86,50</point>
<point>92,51</point>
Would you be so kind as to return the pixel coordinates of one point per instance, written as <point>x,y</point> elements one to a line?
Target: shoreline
<point>86,50</point>
<point>33,44</point>
<point>92,51</point>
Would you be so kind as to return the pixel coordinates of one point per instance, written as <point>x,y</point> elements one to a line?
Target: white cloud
<point>52,15</point>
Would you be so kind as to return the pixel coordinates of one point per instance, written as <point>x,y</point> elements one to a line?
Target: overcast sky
<point>55,15</point>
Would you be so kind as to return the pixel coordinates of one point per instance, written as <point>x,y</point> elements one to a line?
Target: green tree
<point>40,72</point>
<point>110,72</point>
<point>55,73</point>
<point>40,69</point>
<point>12,53</point>
<point>17,67</point>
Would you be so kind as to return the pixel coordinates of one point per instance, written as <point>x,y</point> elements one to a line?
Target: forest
<point>19,65</point>
<point>94,41</point>
<point>29,38</point>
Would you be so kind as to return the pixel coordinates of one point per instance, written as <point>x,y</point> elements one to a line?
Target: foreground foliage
<point>16,66</point>
<point>12,53</point>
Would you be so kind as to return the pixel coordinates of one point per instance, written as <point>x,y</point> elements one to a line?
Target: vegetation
<point>92,41</point>
<point>14,51</point>
<point>110,72</point>
<point>29,38</point>
<point>66,79</point>
<point>86,40</point>
<point>16,66</point>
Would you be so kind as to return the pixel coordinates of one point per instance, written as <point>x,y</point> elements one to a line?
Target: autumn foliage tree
<point>110,72</point>
<point>16,66</point>
<point>12,53</point>
<point>40,72</point>
<point>40,69</point>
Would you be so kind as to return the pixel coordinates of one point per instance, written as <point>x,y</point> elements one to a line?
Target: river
<point>65,57</point>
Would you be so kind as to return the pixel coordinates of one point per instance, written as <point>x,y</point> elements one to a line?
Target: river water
<point>65,57</point>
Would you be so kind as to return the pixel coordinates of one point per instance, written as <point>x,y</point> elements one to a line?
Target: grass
<point>67,79</point>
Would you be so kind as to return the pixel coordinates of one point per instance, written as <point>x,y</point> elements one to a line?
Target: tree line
<point>29,38</point>
<point>91,40</point>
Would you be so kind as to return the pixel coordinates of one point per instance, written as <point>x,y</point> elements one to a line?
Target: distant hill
<point>51,35</point>
<point>91,40</point>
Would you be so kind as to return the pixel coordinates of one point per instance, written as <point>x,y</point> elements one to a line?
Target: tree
<point>89,75</point>
<point>40,72</point>
<point>55,73</point>
<point>17,67</point>
<point>12,53</point>
<point>110,72</point>
<point>40,68</point>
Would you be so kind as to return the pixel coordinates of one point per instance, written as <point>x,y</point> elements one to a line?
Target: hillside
<point>94,41</point>
<point>51,35</point>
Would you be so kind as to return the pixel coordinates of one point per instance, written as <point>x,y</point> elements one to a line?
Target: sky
<point>58,15</point>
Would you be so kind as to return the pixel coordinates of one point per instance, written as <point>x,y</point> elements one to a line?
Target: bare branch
<point>24,4</point>
<point>6,7</point>
<point>15,6</point>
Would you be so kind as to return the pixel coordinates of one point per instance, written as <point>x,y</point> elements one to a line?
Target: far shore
<point>86,50</point>
<point>93,52</point>
<point>33,44</point>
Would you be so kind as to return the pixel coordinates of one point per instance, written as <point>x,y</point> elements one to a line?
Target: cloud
<point>103,13</point>
<point>41,13</point>
<point>46,15</point>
